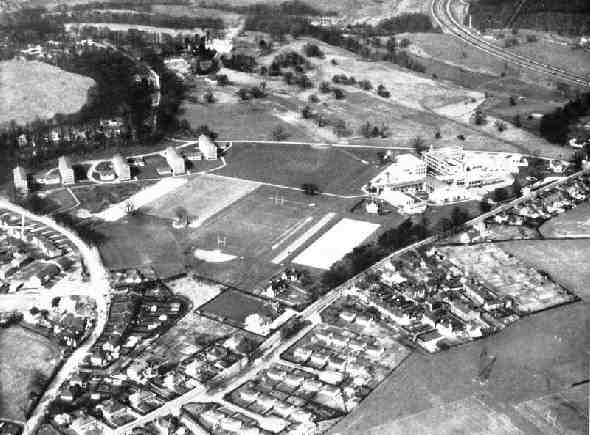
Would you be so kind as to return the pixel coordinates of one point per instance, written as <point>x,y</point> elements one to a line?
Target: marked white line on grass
<point>292,230</point>
<point>284,254</point>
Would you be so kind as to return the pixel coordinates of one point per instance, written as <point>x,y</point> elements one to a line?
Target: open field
<point>60,199</point>
<point>354,10</point>
<point>331,247</point>
<point>235,306</point>
<point>573,223</point>
<point>565,260</point>
<point>332,170</point>
<point>576,61</point>
<point>536,356</point>
<point>201,197</point>
<point>251,120</point>
<point>559,413</point>
<point>24,358</point>
<point>465,417</point>
<point>141,241</point>
<point>197,291</point>
<point>95,198</point>
<point>24,97</point>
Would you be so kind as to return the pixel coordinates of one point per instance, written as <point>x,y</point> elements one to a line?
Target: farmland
<point>539,355</point>
<point>25,358</point>
<point>25,97</point>
<point>574,223</point>
<point>566,261</point>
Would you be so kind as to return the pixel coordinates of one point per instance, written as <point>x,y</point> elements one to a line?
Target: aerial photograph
<point>294,217</point>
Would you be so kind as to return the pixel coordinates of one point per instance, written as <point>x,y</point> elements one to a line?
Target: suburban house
<point>121,168</point>
<point>207,147</point>
<point>20,179</point>
<point>175,161</point>
<point>64,165</point>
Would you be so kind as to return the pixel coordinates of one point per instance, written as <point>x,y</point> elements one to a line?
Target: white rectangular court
<point>341,239</point>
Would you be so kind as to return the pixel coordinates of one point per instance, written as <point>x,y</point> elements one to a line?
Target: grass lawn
<point>235,306</point>
<point>565,260</point>
<point>573,223</point>
<point>536,356</point>
<point>60,199</point>
<point>197,291</point>
<point>24,356</point>
<point>32,89</point>
<point>97,197</point>
<point>141,241</point>
<point>331,169</point>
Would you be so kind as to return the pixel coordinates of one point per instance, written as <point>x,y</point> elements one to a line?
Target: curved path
<point>100,291</point>
<point>442,12</point>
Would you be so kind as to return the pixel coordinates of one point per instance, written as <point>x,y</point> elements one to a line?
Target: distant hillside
<point>565,16</point>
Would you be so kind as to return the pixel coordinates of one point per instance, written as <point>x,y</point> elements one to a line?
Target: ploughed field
<point>32,89</point>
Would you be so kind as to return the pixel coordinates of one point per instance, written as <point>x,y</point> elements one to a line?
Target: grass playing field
<point>24,356</point>
<point>31,89</point>
<point>201,197</point>
<point>141,241</point>
<point>332,170</point>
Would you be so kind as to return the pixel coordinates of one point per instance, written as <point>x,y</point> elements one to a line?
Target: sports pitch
<point>331,169</point>
<point>341,239</point>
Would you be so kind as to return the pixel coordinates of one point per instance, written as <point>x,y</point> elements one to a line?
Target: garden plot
<point>341,239</point>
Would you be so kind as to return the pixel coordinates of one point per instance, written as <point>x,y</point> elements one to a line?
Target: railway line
<point>442,13</point>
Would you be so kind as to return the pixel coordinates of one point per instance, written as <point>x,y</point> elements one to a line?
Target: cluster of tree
<point>288,59</point>
<point>404,23</point>
<point>31,26</point>
<point>298,79</point>
<point>327,88</point>
<point>371,131</point>
<point>338,125</point>
<point>143,19</point>
<point>246,94</point>
<point>312,50</point>
<point>288,8</point>
<point>405,60</point>
<point>137,5</point>
<point>343,79</point>
<point>570,16</point>
<point>555,126</point>
<point>239,62</point>
<point>366,255</point>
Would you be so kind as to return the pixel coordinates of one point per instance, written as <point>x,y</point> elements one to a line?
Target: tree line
<point>557,125</point>
<point>407,233</point>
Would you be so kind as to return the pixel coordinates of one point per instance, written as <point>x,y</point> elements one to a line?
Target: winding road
<point>99,288</point>
<point>442,12</point>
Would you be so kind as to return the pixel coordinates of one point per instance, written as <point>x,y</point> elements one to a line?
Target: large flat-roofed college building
<point>406,174</point>
<point>175,161</point>
<point>453,165</point>
<point>20,179</point>
<point>121,167</point>
<point>64,165</point>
